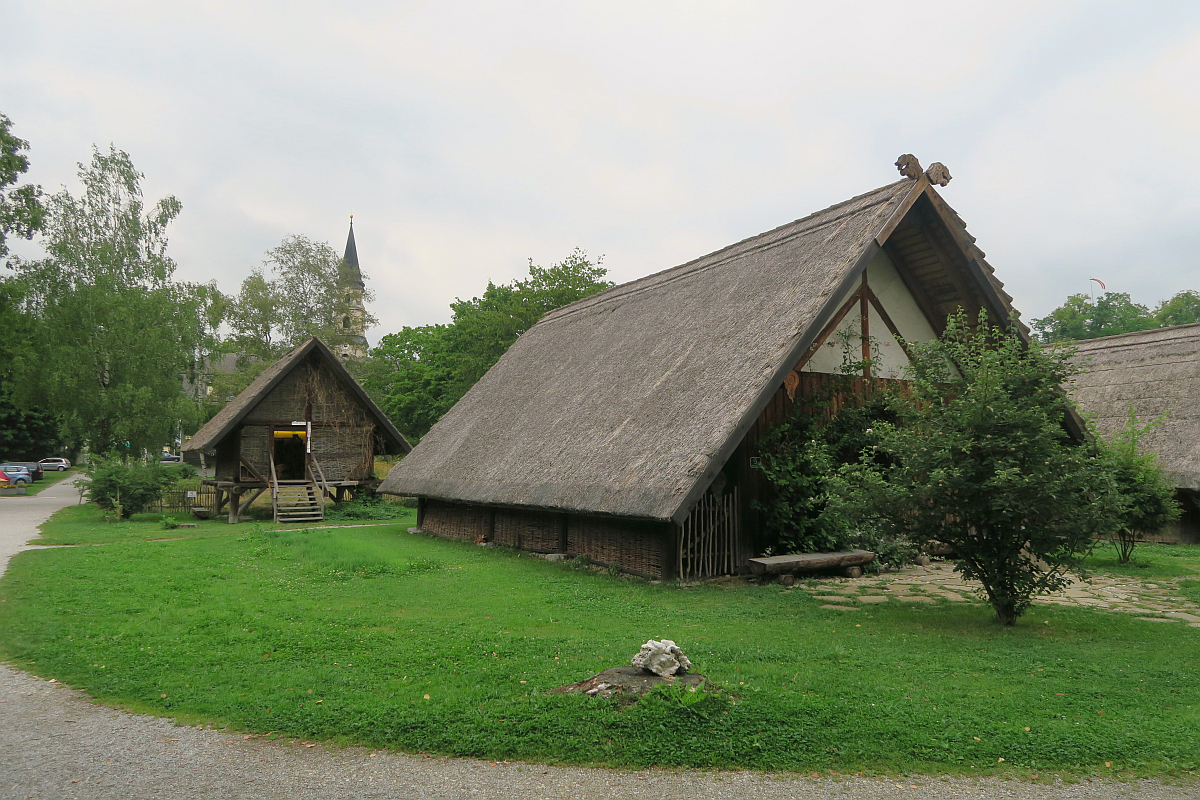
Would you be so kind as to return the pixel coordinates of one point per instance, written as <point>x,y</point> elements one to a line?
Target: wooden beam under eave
<point>918,188</point>
<point>920,297</point>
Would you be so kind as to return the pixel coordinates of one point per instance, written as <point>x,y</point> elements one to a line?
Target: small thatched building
<point>304,429</point>
<point>1157,373</point>
<point>623,426</point>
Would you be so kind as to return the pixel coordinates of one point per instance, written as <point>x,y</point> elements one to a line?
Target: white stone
<point>662,658</point>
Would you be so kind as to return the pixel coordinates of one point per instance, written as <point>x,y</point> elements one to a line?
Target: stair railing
<point>274,490</point>
<point>324,483</point>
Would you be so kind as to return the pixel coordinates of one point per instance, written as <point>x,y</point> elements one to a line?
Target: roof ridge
<point>737,248</point>
<point>1170,330</point>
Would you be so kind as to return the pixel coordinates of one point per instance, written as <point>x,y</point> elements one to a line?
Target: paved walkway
<point>1157,601</point>
<point>56,743</point>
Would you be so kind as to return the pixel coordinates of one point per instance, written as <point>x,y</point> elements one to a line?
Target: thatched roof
<point>228,418</point>
<point>1158,373</point>
<point>629,402</point>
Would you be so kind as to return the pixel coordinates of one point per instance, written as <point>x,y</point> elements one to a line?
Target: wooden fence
<point>181,501</point>
<point>708,538</point>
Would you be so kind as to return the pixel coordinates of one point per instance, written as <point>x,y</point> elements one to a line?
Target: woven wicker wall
<point>255,448</point>
<point>344,453</point>
<point>456,520</point>
<point>285,402</point>
<point>529,530</point>
<point>630,545</point>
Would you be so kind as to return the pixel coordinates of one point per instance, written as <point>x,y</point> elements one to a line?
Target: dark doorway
<point>289,455</point>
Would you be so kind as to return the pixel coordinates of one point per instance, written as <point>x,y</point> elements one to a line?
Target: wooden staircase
<point>298,501</point>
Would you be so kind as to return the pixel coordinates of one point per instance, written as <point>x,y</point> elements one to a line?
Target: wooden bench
<point>848,561</point>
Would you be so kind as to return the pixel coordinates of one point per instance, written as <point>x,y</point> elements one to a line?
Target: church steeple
<point>351,287</point>
<point>349,274</point>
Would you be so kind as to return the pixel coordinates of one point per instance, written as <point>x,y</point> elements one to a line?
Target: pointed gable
<point>255,400</point>
<point>629,402</point>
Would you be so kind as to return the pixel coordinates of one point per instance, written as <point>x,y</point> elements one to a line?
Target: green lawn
<point>1148,562</point>
<point>84,524</point>
<point>384,638</point>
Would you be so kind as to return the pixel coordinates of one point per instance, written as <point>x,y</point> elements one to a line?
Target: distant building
<point>350,283</point>
<point>1157,374</point>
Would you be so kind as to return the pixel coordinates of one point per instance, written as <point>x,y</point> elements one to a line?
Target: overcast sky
<point>467,138</point>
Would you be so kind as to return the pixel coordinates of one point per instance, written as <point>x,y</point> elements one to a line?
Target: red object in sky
<point>1102,286</point>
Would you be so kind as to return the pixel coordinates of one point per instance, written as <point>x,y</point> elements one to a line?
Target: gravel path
<point>56,743</point>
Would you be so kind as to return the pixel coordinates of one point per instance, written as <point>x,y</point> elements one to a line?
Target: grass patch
<point>383,638</point>
<point>1149,561</point>
<point>86,524</point>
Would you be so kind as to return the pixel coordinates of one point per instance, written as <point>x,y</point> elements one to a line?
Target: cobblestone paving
<point>1152,601</point>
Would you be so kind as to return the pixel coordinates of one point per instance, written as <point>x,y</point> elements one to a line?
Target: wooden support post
<point>234,497</point>
<point>864,308</point>
<point>242,507</point>
<point>420,513</point>
<point>562,533</point>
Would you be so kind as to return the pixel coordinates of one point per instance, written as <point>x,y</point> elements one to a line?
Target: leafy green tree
<point>981,452</point>
<point>1146,494</point>
<point>114,335</point>
<point>1182,309</point>
<point>418,374</point>
<point>295,297</point>
<point>1082,318</point>
<point>485,327</point>
<point>28,433</point>
<point>413,372</point>
<point>21,210</point>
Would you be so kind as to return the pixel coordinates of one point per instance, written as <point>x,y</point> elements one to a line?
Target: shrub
<point>802,460</point>
<point>981,459</point>
<point>126,487</point>
<point>1146,495</point>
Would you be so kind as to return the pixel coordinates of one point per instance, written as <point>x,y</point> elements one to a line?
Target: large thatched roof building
<point>304,429</point>
<point>1157,373</point>
<point>622,426</point>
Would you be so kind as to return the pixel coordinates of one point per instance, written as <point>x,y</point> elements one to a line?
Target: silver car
<point>17,476</point>
<point>59,464</point>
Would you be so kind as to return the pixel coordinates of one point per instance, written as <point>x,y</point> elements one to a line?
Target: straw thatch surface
<point>238,409</point>
<point>1158,372</point>
<point>618,403</point>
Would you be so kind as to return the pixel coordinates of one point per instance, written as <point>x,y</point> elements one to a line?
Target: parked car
<point>32,467</point>
<point>59,464</point>
<point>16,475</point>
<point>167,458</point>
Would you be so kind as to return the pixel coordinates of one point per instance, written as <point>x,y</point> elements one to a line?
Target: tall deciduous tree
<point>295,297</point>
<point>115,333</point>
<point>21,210</point>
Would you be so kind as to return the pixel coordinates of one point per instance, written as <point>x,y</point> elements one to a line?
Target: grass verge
<point>383,638</point>
<point>48,480</point>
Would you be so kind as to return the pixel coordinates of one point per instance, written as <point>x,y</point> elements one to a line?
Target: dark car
<point>167,458</point>
<point>34,468</point>
<point>59,464</point>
